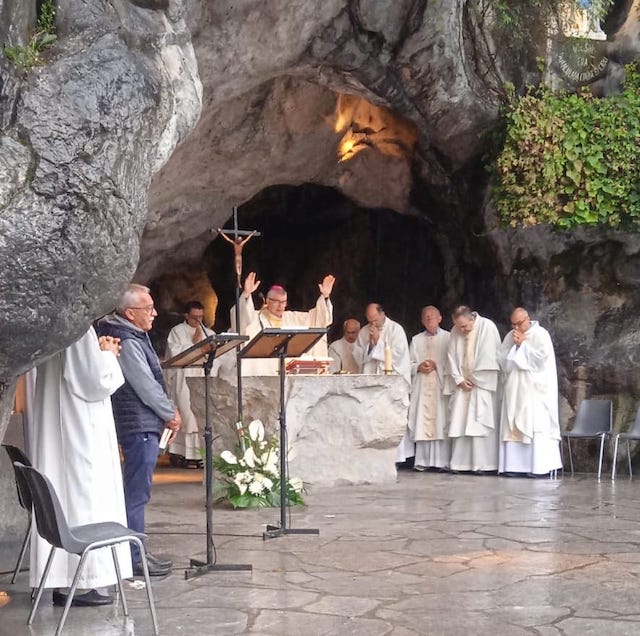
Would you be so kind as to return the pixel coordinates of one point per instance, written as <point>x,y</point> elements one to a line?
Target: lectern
<point>202,354</point>
<point>281,344</point>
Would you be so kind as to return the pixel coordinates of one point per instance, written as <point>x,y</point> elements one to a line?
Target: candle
<point>388,360</point>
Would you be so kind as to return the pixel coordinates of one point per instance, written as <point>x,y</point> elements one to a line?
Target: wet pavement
<point>434,553</point>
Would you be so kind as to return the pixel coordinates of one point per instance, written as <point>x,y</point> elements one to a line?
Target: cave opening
<point>308,231</point>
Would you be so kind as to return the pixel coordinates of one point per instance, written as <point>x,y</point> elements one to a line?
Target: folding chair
<point>81,540</point>
<point>24,497</point>
<point>632,434</point>
<point>593,421</point>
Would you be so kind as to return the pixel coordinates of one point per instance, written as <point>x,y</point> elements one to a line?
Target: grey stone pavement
<point>431,554</point>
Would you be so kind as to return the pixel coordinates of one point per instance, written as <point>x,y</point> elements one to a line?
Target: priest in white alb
<point>341,351</point>
<point>73,442</point>
<point>275,315</point>
<point>428,409</point>
<point>186,449</point>
<point>382,347</point>
<point>472,382</point>
<point>529,424</point>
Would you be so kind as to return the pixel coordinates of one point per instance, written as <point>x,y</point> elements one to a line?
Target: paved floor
<point>432,554</point>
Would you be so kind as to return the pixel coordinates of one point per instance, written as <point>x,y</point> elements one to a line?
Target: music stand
<point>207,350</point>
<point>283,343</point>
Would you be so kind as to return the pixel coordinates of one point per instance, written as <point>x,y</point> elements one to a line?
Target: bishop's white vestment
<point>73,442</point>
<point>473,415</point>
<point>529,424</point>
<point>253,321</point>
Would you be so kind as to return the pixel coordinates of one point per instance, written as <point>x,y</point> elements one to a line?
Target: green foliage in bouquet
<point>250,478</point>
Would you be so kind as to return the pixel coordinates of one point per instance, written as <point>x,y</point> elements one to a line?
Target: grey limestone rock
<point>82,136</point>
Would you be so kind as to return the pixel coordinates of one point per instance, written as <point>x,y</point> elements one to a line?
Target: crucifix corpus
<point>237,242</point>
<point>234,236</point>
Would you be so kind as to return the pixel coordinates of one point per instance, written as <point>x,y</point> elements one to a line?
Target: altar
<point>342,429</point>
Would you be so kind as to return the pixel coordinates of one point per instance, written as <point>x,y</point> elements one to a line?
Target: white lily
<point>229,457</point>
<point>244,477</point>
<point>256,430</point>
<point>264,480</point>
<point>249,457</point>
<point>255,487</point>
<point>296,483</point>
<point>270,464</point>
<point>242,487</point>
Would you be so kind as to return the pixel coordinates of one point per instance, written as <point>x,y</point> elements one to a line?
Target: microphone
<point>204,329</point>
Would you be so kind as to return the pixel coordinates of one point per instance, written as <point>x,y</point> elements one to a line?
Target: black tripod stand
<point>281,344</point>
<point>211,345</point>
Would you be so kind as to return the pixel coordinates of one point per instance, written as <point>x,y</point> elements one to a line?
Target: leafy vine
<point>571,159</point>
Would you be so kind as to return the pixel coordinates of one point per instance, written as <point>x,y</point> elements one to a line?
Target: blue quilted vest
<point>131,415</point>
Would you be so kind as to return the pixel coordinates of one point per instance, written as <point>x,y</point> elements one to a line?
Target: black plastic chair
<point>632,434</point>
<point>593,421</point>
<point>24,497</point>
<point>81,540</point>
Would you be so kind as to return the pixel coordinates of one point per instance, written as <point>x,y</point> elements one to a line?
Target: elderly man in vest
<point>141,408</point>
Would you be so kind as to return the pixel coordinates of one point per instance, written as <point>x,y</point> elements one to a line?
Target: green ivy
<point>24,58</point>
<point>571,159</point>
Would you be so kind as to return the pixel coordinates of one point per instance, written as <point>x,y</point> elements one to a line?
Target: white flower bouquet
<point>250,478</point>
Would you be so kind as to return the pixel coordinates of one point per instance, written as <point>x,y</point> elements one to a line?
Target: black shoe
<point>177,461</point>
<point>161,563</point>
<point>194,463</point>
<point>92,598</point>
<point>154,570</point>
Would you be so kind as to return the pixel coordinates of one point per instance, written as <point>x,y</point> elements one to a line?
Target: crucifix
<point>234,237</point>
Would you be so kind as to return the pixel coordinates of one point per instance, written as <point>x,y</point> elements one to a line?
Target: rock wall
<point>279,82</point>
<point>80,138</point>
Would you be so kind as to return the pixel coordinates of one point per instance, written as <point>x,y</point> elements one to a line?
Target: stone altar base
<point>342,429</point>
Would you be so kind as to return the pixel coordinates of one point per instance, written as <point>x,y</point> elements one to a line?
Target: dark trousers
<point>140,452</point>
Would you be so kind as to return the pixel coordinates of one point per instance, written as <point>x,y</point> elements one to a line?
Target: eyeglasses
<point>278,302</point>
<point>520,322</point>
<point>149,309</point>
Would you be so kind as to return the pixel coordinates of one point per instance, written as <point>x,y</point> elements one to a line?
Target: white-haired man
<point>141,408</point>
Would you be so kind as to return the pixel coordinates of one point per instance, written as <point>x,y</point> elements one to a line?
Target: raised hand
<point>519,337</point>
<point>326,286</point>
<point>250,284</point>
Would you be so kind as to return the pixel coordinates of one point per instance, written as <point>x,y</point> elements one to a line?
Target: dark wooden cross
<point>233,236</point>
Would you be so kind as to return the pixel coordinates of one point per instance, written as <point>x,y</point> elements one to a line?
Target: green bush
<point>571,159</point>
